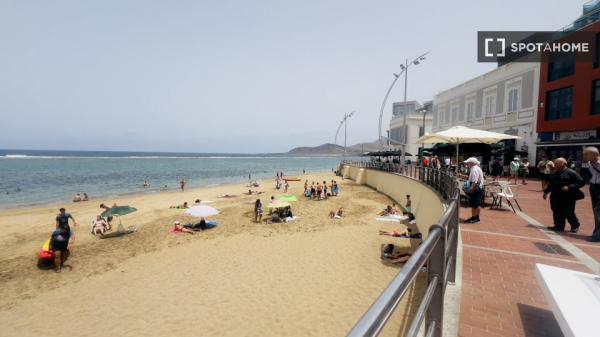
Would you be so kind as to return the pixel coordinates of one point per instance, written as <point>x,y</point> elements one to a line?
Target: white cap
<point>516,158</point>
<point>472,160</point>
<point>177,222</point>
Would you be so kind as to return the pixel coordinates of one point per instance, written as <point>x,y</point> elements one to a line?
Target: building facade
<point>418,121</point>
<point>569,100</point>
<point>503,100</point>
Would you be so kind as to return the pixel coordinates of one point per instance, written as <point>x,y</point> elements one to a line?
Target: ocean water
<point>29,178</point>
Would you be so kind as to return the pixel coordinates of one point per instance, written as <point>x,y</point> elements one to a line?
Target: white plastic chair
<point>507,193</point>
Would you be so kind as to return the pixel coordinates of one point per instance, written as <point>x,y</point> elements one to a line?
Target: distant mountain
<point>329,149</point>
<point>324,149</point>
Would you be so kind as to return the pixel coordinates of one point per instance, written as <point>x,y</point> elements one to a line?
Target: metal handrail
<point>438,250</point>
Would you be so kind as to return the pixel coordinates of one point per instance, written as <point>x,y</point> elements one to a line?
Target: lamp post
<point>424,111</point>
<point>338,131</point>
<point>345,122</point>
<point>403,69</point>
<point>415,62</point>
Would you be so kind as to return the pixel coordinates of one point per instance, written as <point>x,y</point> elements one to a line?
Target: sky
<point>233,76</point>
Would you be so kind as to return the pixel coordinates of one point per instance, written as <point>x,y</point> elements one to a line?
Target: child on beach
<point>258,212</point>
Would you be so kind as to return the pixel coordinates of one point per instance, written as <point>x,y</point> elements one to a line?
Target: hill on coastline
<point>334,149</point>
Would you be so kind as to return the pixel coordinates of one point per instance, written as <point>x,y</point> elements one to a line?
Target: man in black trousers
<point>590,154</point>
<point>564,192</point>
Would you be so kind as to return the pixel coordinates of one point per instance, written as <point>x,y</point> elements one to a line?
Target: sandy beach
<point>312,277</point>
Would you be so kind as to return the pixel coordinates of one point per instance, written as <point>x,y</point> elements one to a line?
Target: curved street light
<point>344,123</point>
<point>403,70</point>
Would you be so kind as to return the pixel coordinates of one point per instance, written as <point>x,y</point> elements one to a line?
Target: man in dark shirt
<point>563,188</point>
<point>62,222</point>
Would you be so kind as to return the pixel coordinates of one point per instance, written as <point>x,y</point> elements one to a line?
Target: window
<point>470,107</point>
<point>559,104</point>
<point>454,114</point>
<point>447,121</point>
<point>461,115</point>
<point>596,98</point>
<point>434,121</point>
<point>477,113</point>
<point>490,108</point>
<point>561,68</point>
<point>513,100</point>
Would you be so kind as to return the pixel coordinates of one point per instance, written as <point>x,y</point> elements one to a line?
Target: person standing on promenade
<point>514,167</point>
<point>524,170</point>
<point>545,166</point>
<point>564,192</point>
<point>182,184</point>
<point>590,154</point>
<point>475,192</point>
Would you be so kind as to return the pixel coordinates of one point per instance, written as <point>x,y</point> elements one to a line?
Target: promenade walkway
<point>500,293</point>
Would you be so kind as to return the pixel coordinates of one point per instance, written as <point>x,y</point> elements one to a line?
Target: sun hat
<point>472,160</point>
<point>177,222</point>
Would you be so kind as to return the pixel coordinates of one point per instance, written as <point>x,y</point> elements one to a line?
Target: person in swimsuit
<point>258,212</point>
<point>99,226</point>
<point>178,228</point>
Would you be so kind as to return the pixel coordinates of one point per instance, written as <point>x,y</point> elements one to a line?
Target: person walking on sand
<point>286,186</point>
<point>474,191</point>
<point>258,212</point>
<point>564,192</point>
<point>62,221</point>
<point>59,241</point>
<point>590,154</point>
<point>182,184</point>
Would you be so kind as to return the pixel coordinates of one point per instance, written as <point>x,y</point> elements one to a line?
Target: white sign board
<point>574,298</point>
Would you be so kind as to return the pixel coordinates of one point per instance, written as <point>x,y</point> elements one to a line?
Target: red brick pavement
<point>530,198</point>
<point>500,293</point>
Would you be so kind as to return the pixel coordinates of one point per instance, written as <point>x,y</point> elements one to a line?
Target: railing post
<point>453,227</point>
<point>436,270</point>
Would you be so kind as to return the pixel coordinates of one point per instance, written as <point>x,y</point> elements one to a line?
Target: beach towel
<point>288,198</point>
<point>392,218</point>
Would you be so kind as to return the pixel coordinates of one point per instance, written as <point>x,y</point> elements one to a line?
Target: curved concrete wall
<point>427,205</point>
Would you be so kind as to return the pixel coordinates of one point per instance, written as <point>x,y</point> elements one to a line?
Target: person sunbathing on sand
<point>407,234</point>
<point>184,205</point>
<point>227,196</point>
<point>337,215</point>
<point>178,228</point>
<point>389,210</point>
<point>388,255</point>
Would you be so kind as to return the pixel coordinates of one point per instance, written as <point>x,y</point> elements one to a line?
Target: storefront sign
<point>575,135</point>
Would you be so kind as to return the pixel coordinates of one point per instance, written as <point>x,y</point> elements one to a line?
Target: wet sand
<point>312,277</point>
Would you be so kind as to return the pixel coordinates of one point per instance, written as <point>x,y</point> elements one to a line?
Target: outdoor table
<point>574,298</point>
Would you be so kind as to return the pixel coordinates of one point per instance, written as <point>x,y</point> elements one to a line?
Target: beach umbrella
<point>118,211</point>
<point>457,135</point>
<point>280,204</point>
<point>288,198</point>
<point>201,211</point>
